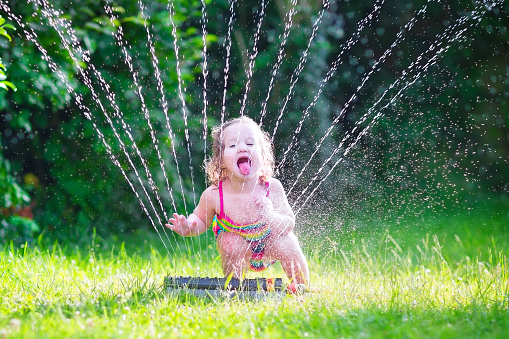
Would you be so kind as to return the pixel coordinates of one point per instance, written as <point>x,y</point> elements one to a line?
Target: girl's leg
<point>287,250</point>
<point>234,252</point>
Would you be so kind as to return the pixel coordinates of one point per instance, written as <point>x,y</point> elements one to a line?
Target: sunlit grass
<point>370,284</point>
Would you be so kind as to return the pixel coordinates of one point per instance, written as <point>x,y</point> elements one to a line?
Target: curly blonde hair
<point>214,165</point>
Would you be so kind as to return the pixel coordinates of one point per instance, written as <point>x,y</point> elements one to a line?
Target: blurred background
<point>378,109</point>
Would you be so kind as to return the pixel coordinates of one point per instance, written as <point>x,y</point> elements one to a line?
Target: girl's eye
<point>250,144</point>
<point>232,146</point>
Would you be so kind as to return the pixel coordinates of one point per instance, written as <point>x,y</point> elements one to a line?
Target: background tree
<point>15,221</point>
<point>326,79</point>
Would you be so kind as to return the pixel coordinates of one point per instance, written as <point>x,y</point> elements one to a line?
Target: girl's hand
<point>265,204</point>
<point>181,225</point>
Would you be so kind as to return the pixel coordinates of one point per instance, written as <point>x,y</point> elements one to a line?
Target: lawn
<point>449,279</point>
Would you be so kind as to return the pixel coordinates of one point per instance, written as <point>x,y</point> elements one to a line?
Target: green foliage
<point>436,141</point>
<point>12,194</point>
<point>18,230</point>
<point>13,227</point>
<point>3,83</point>
<point>47,128</point>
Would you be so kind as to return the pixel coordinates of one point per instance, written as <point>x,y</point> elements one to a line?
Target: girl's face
<point>242,154</point>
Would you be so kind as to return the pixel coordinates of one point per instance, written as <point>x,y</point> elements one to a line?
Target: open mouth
<point>244,164</point>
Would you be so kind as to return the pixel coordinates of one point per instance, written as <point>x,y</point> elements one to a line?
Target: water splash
<point>453,33</point>
<point>72,45</point>
<point>252,56</point>
<point>171,10</point>
<point>227,61</point>
<point>288,20</point>
<point>351,41</point>
<point>298,70</point>
<point>31,36</point>
<point>205,72</point>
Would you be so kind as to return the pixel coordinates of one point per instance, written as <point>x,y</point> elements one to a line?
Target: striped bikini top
<point>252,232</point>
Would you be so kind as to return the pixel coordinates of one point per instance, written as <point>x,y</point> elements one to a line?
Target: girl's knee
<point>286,246</point>
<point>231,245</point>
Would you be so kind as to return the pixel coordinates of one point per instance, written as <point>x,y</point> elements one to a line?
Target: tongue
<point>245,167</point>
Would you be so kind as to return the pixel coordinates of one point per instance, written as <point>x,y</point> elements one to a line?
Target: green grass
<point>447,280</point>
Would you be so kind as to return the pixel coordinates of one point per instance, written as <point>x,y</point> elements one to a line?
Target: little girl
<point>247,207</point>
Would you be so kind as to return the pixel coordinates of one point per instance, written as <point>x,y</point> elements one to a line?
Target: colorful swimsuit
<point>256,234</point>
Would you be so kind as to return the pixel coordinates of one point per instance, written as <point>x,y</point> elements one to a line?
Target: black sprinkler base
<point>223,287</point>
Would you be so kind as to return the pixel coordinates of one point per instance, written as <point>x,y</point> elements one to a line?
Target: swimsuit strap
<point>221,205</point>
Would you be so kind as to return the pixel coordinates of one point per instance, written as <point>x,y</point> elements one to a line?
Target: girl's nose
<point>241,147</point>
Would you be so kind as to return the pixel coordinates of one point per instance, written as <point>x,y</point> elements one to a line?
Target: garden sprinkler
<point>256,288</point>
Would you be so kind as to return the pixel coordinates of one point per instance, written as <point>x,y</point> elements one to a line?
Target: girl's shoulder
<point>278,195</point>
<point>275,186</point>
<point>210,197</point>
<point>212,194</point>
<point>274,182</point>
<point>212,191</point>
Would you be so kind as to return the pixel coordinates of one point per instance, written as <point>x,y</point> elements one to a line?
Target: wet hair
<point>214,165</point>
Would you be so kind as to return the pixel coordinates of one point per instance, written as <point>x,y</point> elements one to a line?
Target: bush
<point>16,222</point>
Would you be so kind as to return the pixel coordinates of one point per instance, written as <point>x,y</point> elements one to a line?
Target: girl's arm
<point>277,210</point>
<point>199,220</point>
